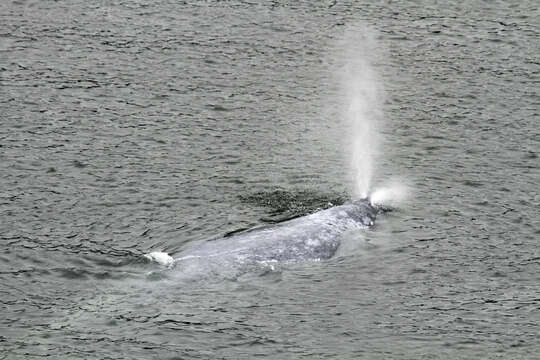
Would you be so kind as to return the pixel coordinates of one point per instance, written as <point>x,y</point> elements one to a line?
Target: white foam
<point>394,194</point>
<point>160,257</point>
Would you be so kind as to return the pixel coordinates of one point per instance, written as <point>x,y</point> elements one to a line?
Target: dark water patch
<point>531,155</point>
<point>473,183</point>
<point>73,273</point>
<point>82,274</point>
<point>79,164</point>
<point>218,107</point>
<point>103,260</point>
<point>282,204</point>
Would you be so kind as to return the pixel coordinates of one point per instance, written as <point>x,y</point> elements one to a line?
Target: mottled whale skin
<point>313,237</point>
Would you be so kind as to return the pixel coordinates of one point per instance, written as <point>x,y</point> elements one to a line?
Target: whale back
<point>313,237</point>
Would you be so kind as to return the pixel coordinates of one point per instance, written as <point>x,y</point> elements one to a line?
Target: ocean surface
<point>128,127</point>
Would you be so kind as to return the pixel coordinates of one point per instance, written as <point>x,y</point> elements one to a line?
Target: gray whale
<point>313,237</point>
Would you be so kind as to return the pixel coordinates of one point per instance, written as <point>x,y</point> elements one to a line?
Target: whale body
<point>313,237</point>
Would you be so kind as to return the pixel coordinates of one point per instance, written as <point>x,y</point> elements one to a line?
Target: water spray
<point>391,195</point>
<point>363,94</point>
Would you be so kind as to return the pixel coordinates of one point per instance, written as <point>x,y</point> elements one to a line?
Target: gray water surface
<point>132,126</point>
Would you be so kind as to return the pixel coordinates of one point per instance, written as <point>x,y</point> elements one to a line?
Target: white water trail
<point>363,94</point>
